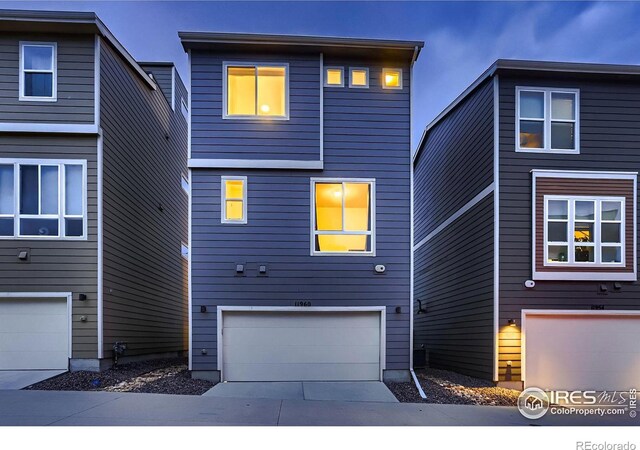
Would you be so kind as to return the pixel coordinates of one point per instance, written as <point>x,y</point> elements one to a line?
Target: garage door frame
<point>44,295</point>
<point>559,312</point>
<point>308,309</point>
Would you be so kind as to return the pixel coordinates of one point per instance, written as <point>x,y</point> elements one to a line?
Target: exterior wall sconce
<point>82,297</point>
<point>203,309</point>
<point>398,309</point>
<point>512,322</point>
<point>421,310</point>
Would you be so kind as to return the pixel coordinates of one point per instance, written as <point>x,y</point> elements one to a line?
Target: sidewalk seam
<point>84,410</point>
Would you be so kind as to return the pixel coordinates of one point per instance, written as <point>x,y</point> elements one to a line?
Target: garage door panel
<point>34,333</point>
<point>301,336</point>
<point>265,354</point>
<point>288,346</point>
<point>582,352</point>
<point>302,372</point>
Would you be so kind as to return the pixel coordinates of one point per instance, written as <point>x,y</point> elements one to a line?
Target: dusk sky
<point>462,38</point>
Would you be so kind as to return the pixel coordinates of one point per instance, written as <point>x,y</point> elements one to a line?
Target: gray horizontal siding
<point>278,232</point>
<point>162,76</point>
<point>214,137</point>
<point>145,213</point>
<point>610,140</point>
<point>75,75</point>
<point>58,266</point>
<point>456,161</point>
<point>454,281</point>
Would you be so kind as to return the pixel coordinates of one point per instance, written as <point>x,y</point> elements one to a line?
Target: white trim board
<point>67,295</point>
<point>96,81</point>
<point>310,309</point>
<point>456,215</point>
<point>559,312</point>
<point>199,163</point>
<point>496,228</point>
<point>189,282</point>
<point>69,128</point>
<point>100,244</point>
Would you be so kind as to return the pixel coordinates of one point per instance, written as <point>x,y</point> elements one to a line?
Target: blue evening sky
<point>462,38</point>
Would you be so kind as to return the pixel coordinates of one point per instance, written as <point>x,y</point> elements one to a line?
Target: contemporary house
<point>93,197</point>
<point>526,228</point>
<point>300,226</point>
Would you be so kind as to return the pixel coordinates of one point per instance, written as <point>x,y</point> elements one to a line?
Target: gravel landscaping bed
<point>160,376</point>
<point>446,387</point>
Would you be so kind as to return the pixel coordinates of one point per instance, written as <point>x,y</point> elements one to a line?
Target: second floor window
<point>37,71</point>
<point>43,199</point>
<point>254,91</point>
<point>547,120</point>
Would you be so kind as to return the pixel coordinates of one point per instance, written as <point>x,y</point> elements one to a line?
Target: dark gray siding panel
<point>454,281</point>
<point>456,162</point>
<point>278,230</point>
<point>75,80</point>
<point>609,124</point>
<point>214,137</point>
<point>162,76</point>
<point>145,214</point>
<point>58,266</point>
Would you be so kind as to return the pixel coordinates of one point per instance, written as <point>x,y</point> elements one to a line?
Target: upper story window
<point>358,77</point>
<point>184,109</point>
<point>184,182</point>
<point>584,231</point>
<point>43,199</point>
<point>38,71</point>
<point>343,216</point>
<point>547,120</point>
<point>334,76</point>
<point>391,78</point>
<point>234,200</point>
<point>256,91</point>
<point>184,250</point>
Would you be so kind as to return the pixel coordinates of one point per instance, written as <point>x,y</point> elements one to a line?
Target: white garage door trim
<point>559,312</point>
<point>67,295</point>
<point>309,309</point>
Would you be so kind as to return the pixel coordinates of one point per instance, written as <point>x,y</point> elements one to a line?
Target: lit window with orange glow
<point>343,217</point>
<point>256,91</point>
<point>392,78</point>
<point>234,200</point>
<point>358,77</point>
<point>334,76</point>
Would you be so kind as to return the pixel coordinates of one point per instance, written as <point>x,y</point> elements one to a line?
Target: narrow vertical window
<point>7,200</point>
<point>234,200</point>
<point>37,71</point>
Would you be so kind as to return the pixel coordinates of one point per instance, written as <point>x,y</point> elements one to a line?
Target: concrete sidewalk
<point>105,408</point>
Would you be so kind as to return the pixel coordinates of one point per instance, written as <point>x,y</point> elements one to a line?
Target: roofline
<point>89,18</point>
<point>157,63</point>
<point>191,37</point>
<point>527,66</point>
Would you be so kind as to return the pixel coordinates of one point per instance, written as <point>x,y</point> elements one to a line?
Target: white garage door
<point>300,346</point>
<point>582,352</point>
<point>34,333</point>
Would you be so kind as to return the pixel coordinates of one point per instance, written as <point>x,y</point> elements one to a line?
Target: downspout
<point>413,374</point>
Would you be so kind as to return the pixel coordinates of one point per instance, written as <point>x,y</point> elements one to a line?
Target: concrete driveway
<point>106,408</point>
<point>344,391</point>
<point>18,379</point>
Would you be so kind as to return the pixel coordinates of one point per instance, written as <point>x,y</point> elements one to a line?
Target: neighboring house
<point>93,213</point>
<point>526,228</point>
<point>300,166</point>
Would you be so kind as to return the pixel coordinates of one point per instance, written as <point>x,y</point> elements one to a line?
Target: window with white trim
<point>38,71</point>
<point>256,91</point>
<point>391,78</point>
<point>584,231</point>
<point>334,76</point>
<point>184,109</point>
<point>184,182</point>
<point>43,199</point>
<point>358,77</point>
<point>547,120</point>
<point>343,216</point>
<point>234,200</point>
<point>184,250</point>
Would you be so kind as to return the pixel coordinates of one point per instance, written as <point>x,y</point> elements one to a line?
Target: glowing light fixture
<point>512,322</point>
<point>392,78</point>
<point>265,108</point>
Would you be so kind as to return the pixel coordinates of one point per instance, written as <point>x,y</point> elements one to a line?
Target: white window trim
<point>384,73</point>
<point>54,71</point>
<point>184,246</point>
<point>547,120</point>
<point>184,109</point>
<point>223,200</point>
<point>372,232</point>
<point>326,78</point>
<point>61,216</point>
<point>227,64</point>
<point>597,225</point>
<point>583,275</point>
<point>366,70</point>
